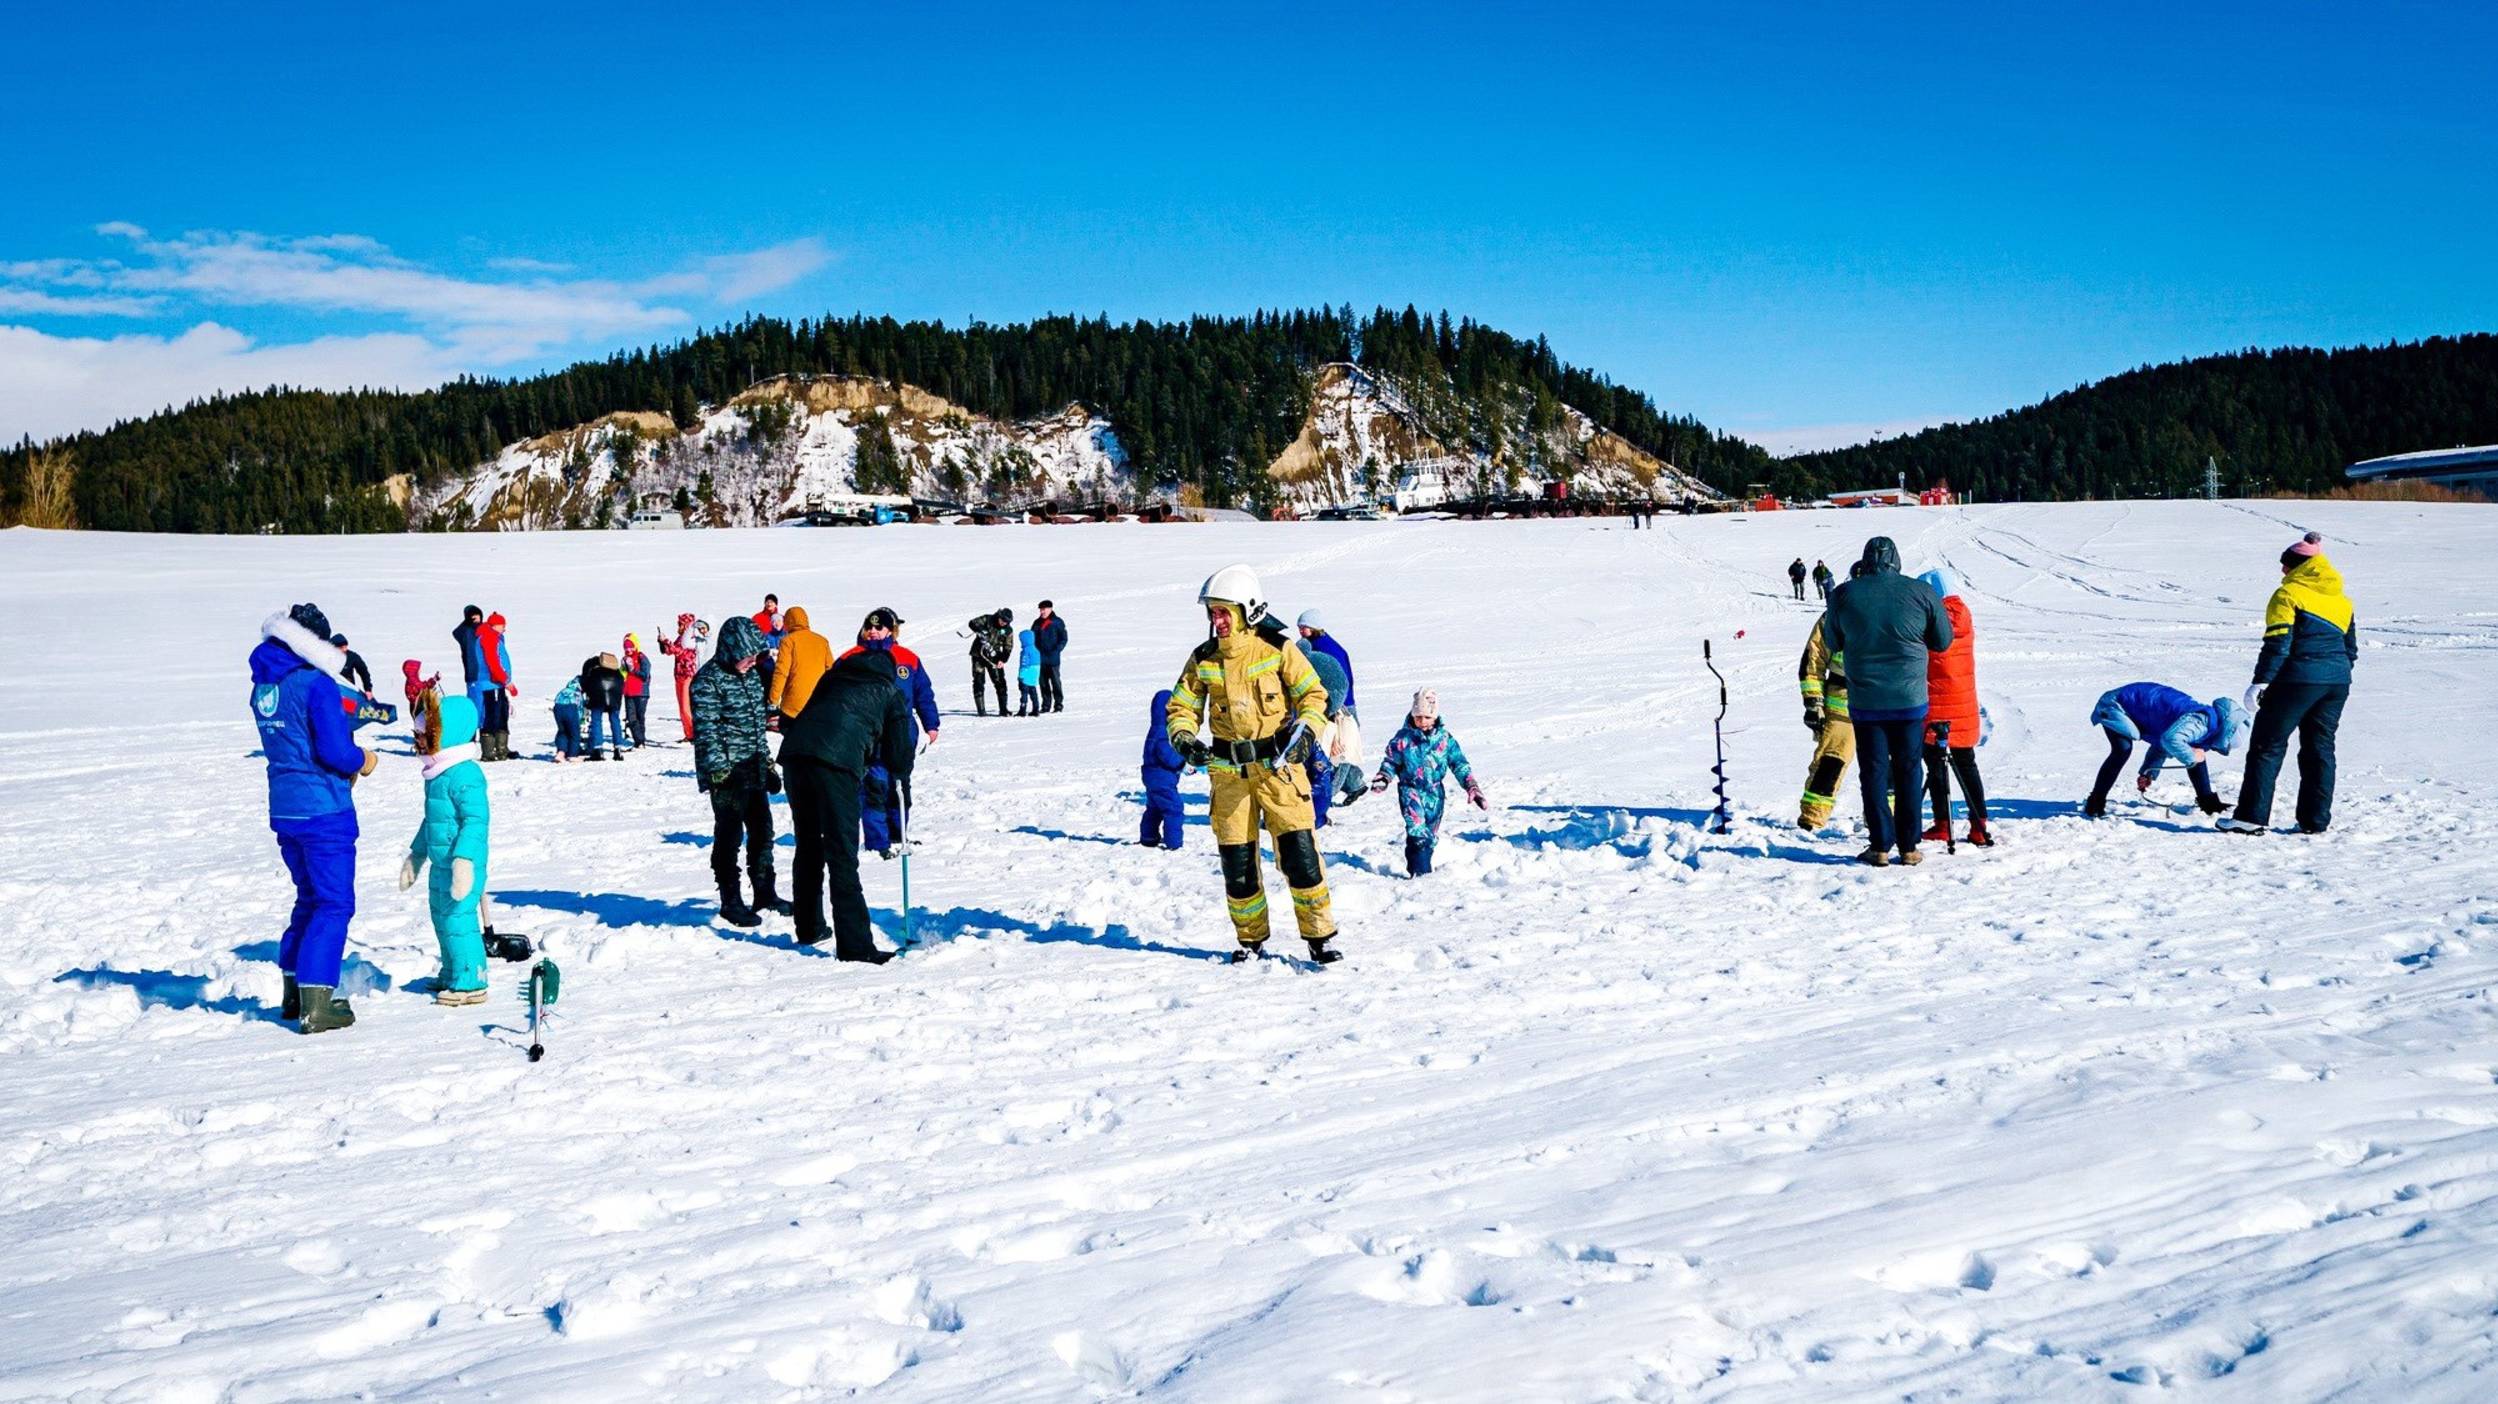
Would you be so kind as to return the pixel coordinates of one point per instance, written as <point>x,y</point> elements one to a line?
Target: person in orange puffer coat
<point>805,657</point>
<point>1953,724</point>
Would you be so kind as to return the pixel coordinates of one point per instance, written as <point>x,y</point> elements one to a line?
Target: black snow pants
<point>991,676</point>
<point>1053,697</point>
<point>824,813</point>
<point>2312,711</point>
<point>741,811</point>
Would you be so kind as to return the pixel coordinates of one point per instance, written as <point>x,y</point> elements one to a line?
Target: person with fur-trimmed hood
<point>307,724</point>
<point>1250,685</point>
<point>1422,758</point>
<point>733,764</point>
<point>453,839</point>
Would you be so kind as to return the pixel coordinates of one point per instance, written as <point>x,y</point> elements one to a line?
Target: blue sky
<point>1801,225</point>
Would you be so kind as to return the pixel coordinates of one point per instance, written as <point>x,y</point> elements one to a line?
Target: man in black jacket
<point>857,718</point>
<point>992,643</point>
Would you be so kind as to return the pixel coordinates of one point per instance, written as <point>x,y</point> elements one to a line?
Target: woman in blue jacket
<point>2178,728</point>
<point>453,839</point>
<point>307,728</point>
<point>1162,768</point>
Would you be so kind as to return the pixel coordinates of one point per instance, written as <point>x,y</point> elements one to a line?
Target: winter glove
<point>1297,745</point>
<point>463,879</point>
<point>2142,783</point>
<point>772,723</point>
<point>1474,796</point>
<point>1813,716</point>
<point>2254,698</point>
<point>715,780</point>
<point>371,759</point>
<point>1193,752</point>
<point>407,873</point>
<point>1379,783</point>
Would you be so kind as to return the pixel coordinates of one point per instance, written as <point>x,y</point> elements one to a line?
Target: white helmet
<point>1235,585</point>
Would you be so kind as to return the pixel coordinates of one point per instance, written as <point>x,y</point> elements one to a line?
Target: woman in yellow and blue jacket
<point>2302,679</point>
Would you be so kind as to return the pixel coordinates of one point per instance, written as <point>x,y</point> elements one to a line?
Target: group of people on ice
<point>1037,653</point>
<point>850,727</point>
<point>1889,682</point>
<point>1271,720</point>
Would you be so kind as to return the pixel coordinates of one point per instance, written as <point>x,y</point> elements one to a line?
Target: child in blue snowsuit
<point>307,735</point>
<point>1162,770</point>
<point>1028,678</point>
<point>1421,759</point>
<point>2178,727</point>
<point>453,838</point>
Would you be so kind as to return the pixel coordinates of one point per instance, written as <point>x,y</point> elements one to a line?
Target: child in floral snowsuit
<point>1421,759</point>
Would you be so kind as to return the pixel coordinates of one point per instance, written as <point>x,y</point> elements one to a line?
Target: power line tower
<point>2211,479</point>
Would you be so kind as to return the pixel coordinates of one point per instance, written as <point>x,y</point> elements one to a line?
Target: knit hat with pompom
<point>2309,545</point>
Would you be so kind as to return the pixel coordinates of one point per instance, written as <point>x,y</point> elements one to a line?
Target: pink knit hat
<point>2309,545</point>
<point>1426,705</point>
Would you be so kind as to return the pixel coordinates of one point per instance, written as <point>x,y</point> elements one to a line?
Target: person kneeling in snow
<point>2178,728</point>
<point>307,725</point>
<point>453,838</point>
<point>1421,759</point>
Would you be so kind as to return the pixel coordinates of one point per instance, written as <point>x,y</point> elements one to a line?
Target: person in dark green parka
<point>1885,624</point>
<point>453,839</point>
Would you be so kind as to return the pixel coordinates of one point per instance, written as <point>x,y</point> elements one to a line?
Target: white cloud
<point>54,385</point>
<point>413,325</point>
<point>1813,438</point>
<point>36,302</point>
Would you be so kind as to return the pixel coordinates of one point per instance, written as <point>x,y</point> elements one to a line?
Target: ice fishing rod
<point>902,809</point>
<point>1722,818</point>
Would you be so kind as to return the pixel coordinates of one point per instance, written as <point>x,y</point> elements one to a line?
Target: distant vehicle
<point>649,520</point>
<point>1357,512</point>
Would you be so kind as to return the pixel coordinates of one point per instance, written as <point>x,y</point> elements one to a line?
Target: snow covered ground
<point>1607,1108</point>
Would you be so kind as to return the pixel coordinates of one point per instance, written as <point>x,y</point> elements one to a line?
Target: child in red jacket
<point>1955,724</point>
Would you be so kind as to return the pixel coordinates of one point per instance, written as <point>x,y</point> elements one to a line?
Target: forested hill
<point>2276,420</point>
<point>1208,402</point>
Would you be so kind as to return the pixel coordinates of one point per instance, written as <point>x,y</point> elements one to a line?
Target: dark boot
<point>291,1003</point>
<point>869,954</point>
<point>733,908</point>
<point>1323,954</point>
<point>324,1009</point>
<point>767,900</point>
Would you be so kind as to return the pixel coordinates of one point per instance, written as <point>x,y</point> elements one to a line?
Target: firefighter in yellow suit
<point>1249,685</point>
<point>1822,675</point>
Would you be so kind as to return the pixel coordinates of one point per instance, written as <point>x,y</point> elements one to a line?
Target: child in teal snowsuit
<point>1028,678</point>
<point>453,839</point>
<point>1421,759</point>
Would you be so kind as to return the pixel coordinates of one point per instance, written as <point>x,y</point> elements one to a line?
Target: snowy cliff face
<point>1371,439</point>
<point>776,450</point>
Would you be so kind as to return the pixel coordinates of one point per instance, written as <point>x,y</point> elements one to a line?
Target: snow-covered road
<point>1606,1108</point>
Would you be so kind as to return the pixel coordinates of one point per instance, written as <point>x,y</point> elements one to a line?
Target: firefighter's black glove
<point>1193,752</point>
